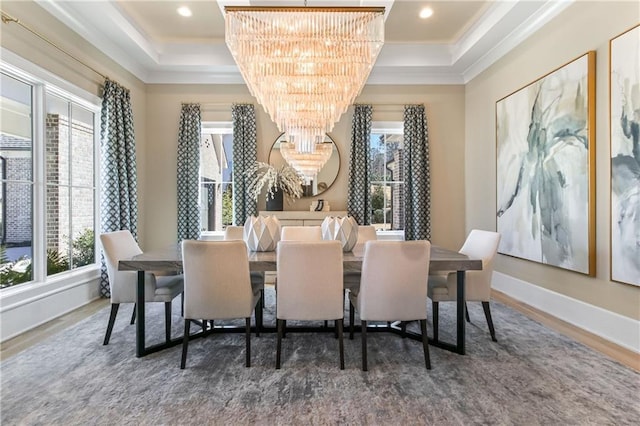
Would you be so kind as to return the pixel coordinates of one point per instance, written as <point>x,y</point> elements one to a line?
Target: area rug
<point>531,376</point>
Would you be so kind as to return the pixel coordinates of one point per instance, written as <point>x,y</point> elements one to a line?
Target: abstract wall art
<point>545,148</point>
<point>624,85</point>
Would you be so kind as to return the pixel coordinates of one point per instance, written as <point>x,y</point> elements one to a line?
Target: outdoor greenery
<point>84,248</point>
<point>377,204</point>
<point>20,270</point>
<point>227,206</point>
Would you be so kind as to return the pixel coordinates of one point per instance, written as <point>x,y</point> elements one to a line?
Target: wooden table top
<point>170,259</point>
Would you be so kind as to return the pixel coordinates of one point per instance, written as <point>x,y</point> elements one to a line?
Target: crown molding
<point>500,29</point>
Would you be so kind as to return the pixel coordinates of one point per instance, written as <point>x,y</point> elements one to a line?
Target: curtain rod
<point>386,105</point>
<point>7,19</point>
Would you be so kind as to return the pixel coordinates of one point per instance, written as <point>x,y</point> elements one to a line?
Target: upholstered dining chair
<point>352,278</point>
<point>443,287</point>
<point>217,286</point>
<point>392,287</point>
<point>120,245</point>
<point>301,233</point>
<point>232,232</point>
<point>309,286</point>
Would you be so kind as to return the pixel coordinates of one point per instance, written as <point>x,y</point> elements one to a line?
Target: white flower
<point>285,179</point>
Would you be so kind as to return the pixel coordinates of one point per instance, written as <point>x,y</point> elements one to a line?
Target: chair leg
<point>466,312</point>
<point>247,338</point>
<point>260,313</point>
<point>185,343</point>
<point>425,344</point>
<point>133,315</point>
<point>340,324</point>
<point>403,329</point>
<point>279,344</point>
<point>487,314</point>
<point>182,304</point>
<point>434,306</point>
<point>167,321</point>
<point>112,320</point>
<point>363,333</point>
<point>352,317</point>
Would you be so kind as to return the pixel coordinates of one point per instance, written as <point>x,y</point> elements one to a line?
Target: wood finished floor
<point>624,356</point>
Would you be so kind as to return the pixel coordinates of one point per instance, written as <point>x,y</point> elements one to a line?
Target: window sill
<point>18,295</point>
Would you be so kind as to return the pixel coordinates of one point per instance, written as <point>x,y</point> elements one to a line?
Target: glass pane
<point>211,158</point>
<point>216,206</point>
<point>16,130</point>
<point>57,140</point>
<point>393,153</point>
<point>82,147</point>
<point>16,252</point>
<point>58,229</point>
<point>207,206</point>
<point>395,214</point>
<point>377,157</point>
<point>379,203</point>
<point>227,204</point>
<point>82,245</point>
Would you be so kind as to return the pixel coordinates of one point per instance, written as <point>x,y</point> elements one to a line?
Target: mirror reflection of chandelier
<point>307,163</point>
<point>305,65</point>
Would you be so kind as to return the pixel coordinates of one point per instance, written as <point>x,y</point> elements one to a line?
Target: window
<point>216,176</point>
<point>48,179</point>
<point>70,190</point>
<point>387,178</point>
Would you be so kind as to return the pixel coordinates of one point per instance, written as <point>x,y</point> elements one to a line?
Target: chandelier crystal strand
<point>305,66</point>
<point>307,163</point>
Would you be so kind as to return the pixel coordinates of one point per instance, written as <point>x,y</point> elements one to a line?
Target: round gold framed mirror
<point>321,181</point>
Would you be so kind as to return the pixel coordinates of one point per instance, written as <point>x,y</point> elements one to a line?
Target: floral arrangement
<point>284,178</point>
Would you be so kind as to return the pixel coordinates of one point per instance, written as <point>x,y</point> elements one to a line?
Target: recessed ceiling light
<point>426,12</point>
<point>184,11</point>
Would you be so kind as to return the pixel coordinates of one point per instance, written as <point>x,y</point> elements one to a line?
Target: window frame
<point>44,83</point>
<point>388,128</point>
<point>220,128</point>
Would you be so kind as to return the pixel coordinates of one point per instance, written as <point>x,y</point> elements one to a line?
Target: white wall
<point>582,27</point>
<point>445,116</point>
<point>29,305</point>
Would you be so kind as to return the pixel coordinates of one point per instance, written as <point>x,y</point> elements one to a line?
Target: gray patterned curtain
<point>245,154</point>
<point>416,174</point>
<point>359,195</point>
<point>188,172</point>
<point>119,198</point>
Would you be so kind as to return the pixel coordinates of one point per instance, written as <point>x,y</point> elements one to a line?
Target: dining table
<point>170,260</point>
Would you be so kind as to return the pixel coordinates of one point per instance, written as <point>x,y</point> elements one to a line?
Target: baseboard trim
<point>609,326</point>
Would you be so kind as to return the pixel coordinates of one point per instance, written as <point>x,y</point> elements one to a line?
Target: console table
<point>302,217</point>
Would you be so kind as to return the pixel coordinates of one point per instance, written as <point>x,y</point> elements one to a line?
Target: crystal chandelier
<point>305,65</point>
<point>307,163</point>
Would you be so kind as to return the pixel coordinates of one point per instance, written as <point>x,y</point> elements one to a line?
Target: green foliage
<point>377,198</point>
<point>227,206</point>
<point>56,262</point>
<point>84,248</point>
<point>83,254</point>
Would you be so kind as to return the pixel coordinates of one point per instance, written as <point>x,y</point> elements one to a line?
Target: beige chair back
<point>120,245</point>
<point>394,280</point>
<point>483,245</point>
<point>216,280</point>
<point>232,232</point>
<point>301,233</point>
<point>366,233</point>
<point>309,280</point>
